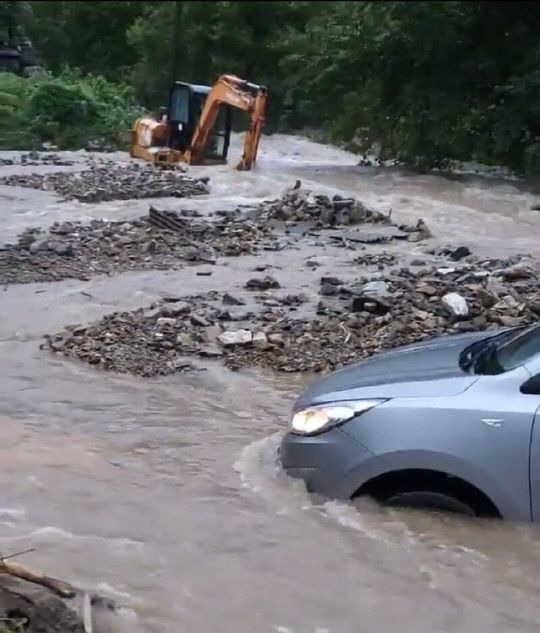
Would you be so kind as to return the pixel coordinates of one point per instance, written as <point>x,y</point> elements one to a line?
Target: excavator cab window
<point>179,108</point>
<point>181,130</point>
<point>186,102</point>
<point>218,142</point>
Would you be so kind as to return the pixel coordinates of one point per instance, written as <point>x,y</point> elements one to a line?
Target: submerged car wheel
<point>419,488</point>
<point>429,500</point>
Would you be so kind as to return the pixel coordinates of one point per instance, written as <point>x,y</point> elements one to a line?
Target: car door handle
<point>492,421</point>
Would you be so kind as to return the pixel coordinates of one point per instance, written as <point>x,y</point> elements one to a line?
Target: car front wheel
<point>429,500</point>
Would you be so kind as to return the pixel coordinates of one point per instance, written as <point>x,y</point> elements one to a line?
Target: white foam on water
<point>105,589</point>
<point>260,471</point>
<point>13,513</point>
<point>51,532</point>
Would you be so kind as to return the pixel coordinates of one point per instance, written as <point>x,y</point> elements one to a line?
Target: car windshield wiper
<point>486,348</point>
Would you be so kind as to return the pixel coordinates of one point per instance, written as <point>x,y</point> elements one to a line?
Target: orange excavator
<point>195,128</point>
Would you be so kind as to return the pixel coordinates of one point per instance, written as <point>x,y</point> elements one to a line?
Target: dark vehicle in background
<point>17,54</point>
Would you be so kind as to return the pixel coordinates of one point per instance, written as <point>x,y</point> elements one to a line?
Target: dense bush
<point>67,110</point>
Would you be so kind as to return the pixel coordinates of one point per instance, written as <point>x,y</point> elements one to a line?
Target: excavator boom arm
<point>231,90</point>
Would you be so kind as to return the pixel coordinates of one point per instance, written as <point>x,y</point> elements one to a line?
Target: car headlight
<point>320,418</point>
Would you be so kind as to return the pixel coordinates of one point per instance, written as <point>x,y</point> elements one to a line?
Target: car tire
<point>429,500</point>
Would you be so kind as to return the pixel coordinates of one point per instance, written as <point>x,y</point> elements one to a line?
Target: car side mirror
<point>531,386</point>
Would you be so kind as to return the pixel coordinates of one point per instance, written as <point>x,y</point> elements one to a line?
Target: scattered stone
<point>158,241</point>
<point>106,180</point>
<point>370,304</point>
<point>300,205</point>
<point>377,289</point>
<point>199,319</point>
<point>510,321</point>
<point>459,253</point>
<point>419,232</point>
<point>456,304</point>
<point>260,340</point>
<point>210,351</point>
<point>363,318</point>
<point>426,289</point>
<point>264,283</point>
<point>328,290</point>
<point>518,271</point>
<point>239,337</point>
<point>36,158</point>
<point>41,244</point>
<point>180,364</point>
<point>229,300</point>
<point>211,333</point>
<point>332,281</point>
<point>175,309</point>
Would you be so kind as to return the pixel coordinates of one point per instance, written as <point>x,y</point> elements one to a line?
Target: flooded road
<point>165,493</point>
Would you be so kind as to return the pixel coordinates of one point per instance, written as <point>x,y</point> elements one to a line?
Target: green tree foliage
<point>214,38</point>
<point>91,36</point>
<point>67,110</point>
<point>420,81</point>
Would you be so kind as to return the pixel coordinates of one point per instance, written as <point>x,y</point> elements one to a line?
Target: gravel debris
<point>362,318</point>
<point>159,241</point>
<point>106,180</point>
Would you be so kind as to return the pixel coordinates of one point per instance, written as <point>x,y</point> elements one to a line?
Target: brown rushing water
<point>165,493</point>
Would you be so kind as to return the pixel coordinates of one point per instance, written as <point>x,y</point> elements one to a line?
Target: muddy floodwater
<point>165,493</point>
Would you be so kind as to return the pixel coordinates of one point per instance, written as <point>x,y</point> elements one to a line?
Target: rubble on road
<point>105,180</point>
<point>33,159</point>
<point>399,306</point>
<point>161,240</point>
<point>36,158</point>
<point>301,206</point>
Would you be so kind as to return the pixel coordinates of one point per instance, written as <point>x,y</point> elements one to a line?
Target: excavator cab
<point>186,102</point>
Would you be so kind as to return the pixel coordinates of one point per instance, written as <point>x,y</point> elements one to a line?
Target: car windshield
<point>519,349</point>
<point>501,352</point>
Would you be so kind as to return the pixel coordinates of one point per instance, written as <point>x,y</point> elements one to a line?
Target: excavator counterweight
<point>195,128</point>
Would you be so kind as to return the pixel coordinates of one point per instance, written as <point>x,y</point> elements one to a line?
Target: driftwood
<point>58,587</point>
<point>35,612</point>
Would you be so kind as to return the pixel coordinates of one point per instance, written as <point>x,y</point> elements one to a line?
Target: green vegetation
<point>67,110</point>
<point>419,81</point>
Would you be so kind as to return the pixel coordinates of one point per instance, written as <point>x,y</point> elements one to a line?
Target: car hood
<point>427,369</point>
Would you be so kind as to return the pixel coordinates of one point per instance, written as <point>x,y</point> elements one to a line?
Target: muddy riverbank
<point>164,493</point>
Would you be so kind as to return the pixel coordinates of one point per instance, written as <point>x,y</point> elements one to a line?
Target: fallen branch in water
<point>58,587</point>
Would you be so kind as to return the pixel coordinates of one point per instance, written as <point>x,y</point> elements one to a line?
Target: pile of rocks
<point>349,322</point>
<point>159,241</point>
<point>300,205</point>
<point>33,159</point>
<point>106,180</point>
<point>36,158</point>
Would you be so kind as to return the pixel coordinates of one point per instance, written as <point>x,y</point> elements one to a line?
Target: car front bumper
<point>324,461</point>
